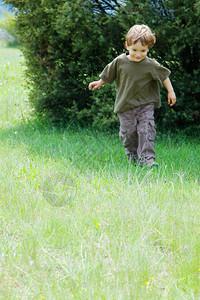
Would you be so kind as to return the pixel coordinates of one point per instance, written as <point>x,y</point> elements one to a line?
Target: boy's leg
<point>128,133</point>
<point>146,135</point>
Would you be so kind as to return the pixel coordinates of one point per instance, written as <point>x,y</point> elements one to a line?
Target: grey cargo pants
<point>137,133</point>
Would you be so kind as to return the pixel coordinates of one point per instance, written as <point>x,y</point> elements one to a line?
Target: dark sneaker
<point>151,163</point>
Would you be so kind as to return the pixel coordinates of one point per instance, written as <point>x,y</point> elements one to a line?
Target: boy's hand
<point>96,84</point>
<point>171,95</point>
<point>171,98</point>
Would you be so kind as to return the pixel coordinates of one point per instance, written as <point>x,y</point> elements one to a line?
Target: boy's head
<point>142,34</point>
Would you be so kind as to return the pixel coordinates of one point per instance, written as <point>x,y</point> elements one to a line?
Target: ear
<point>126,45</point>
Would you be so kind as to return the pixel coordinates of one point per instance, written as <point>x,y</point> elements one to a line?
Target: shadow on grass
<point>90,151</point>
<point>68,153</point>
<point>84,146</point>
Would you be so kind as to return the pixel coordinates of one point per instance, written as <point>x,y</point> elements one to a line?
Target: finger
<point>173,101</point>
<point>90,86</point>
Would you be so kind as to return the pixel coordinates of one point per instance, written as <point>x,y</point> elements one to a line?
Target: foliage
<point>67,43</point>
<point>8,23</point>
<point>63,46</point>
<point>101,116</point>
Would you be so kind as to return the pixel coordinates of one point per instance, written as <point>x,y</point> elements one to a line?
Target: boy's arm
<point>171,95</point>
<point>96,84</point>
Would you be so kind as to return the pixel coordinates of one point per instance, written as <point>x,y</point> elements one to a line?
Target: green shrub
<point>63,47</point>
<point>66,44</point>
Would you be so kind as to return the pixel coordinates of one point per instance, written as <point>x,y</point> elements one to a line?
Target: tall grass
<point>78,222</point>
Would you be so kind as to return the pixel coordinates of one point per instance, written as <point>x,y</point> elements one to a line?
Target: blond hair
<point>140,33</point>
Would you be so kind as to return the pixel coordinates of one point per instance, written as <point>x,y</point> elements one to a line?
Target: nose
<point>138,54</point>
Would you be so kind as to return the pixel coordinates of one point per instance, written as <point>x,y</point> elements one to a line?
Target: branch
<point>116,2</point>
<point>109,5</point>
<point>100,6</point>
<point>163,7</point>
<point>104,4</point>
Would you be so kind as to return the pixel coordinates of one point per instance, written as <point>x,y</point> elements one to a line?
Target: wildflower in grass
<point>148,282</point>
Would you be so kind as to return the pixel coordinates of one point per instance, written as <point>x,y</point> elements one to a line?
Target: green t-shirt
<point>137,83</point>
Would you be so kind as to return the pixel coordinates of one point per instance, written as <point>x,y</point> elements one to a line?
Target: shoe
<point>151,163</point>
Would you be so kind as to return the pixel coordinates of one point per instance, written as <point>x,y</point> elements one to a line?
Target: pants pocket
<point>152,131</point>
<point>123,136</point>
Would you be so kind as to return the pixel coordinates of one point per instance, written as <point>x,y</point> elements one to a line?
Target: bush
<point>63,47</point>
<point>66,44</point>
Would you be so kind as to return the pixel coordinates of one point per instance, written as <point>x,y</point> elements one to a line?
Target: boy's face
<point>137,51</point>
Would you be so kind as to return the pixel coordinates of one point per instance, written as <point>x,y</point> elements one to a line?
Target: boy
<point>137,87</point>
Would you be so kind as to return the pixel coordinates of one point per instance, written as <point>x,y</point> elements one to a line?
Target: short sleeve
<point>109,74</point>
<point>160,73</point>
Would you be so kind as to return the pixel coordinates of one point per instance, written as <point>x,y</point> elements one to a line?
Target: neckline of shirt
<point>132,61</point>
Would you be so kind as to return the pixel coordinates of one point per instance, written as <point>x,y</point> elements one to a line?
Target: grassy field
<point>77,222</point>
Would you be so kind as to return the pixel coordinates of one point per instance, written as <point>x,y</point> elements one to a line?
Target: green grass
<point>77,222</point>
